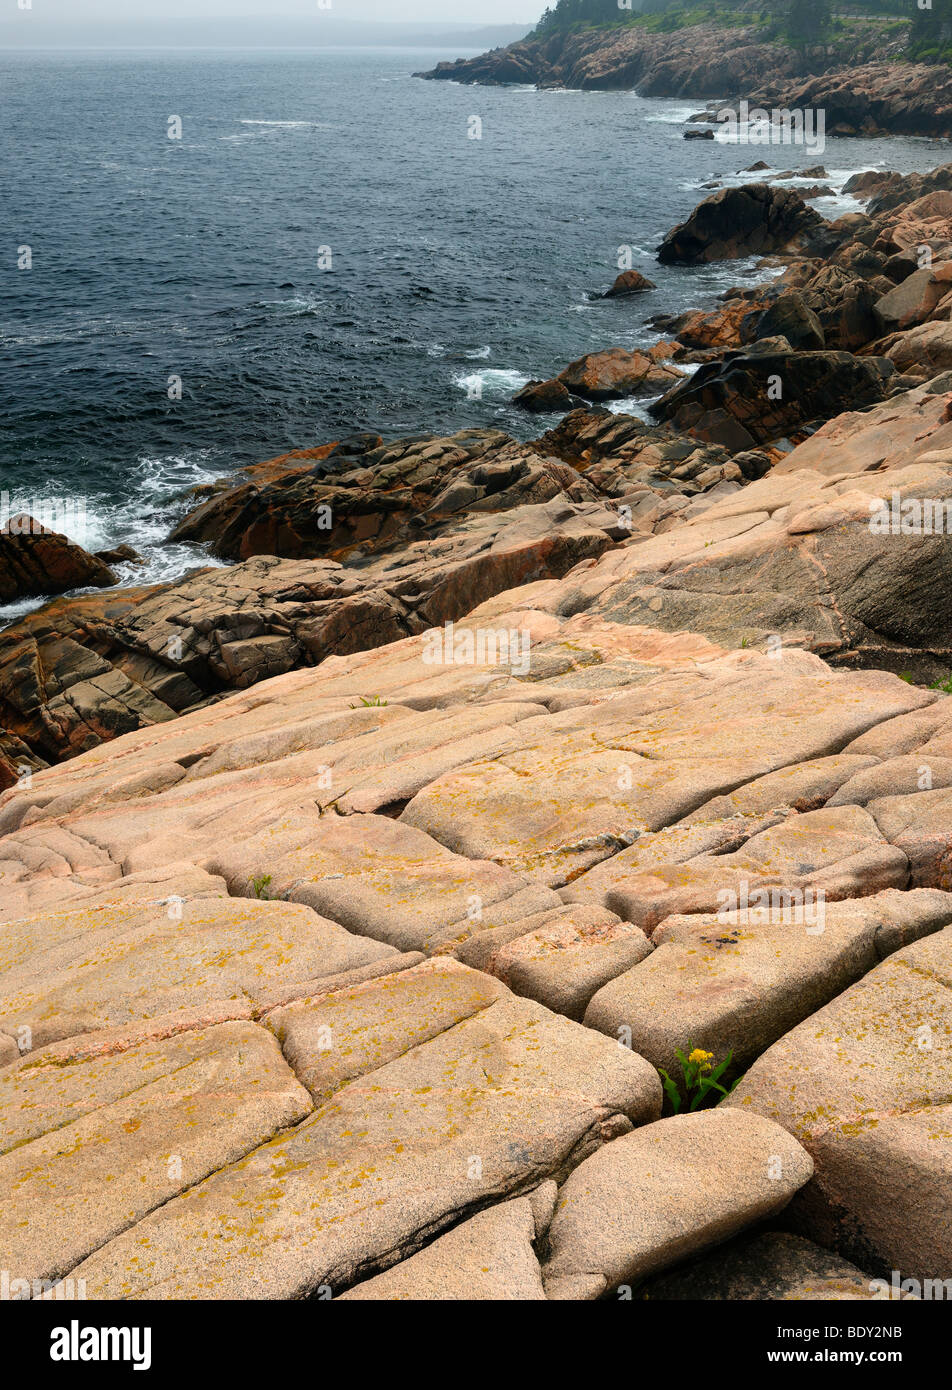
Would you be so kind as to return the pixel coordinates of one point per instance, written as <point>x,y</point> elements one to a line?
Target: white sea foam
<point>633,405</point>
<point>491,382</point>
<point>142,521</point>
<point>10,612</point>
<point>297,305</point>
<point>675,115</point>
<point>289,125</point>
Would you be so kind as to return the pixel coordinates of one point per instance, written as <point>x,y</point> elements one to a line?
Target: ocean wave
<point>143,520</point>
<point>678,115</point>
<point>633,405</point>
<point>492,382</point>
<point>289,125</point>
<point>11,612</point>
<point>296,306</point>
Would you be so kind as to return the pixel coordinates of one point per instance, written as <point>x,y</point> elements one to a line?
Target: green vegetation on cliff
<point>930,38</point>
<point>802,23</point>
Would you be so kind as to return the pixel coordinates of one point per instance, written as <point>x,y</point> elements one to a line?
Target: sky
<point>430,11</point>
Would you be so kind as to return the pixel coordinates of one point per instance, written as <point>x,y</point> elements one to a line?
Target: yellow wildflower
<point>702,1058</point>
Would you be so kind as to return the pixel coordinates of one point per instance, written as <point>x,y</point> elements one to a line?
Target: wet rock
<point>91,668</point>
<point>629,282</point>
<point>610,375</point>
<point>544,396</point>
<point>36,561</point>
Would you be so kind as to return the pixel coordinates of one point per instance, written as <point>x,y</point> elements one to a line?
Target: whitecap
<point>143,520</point>
<point>633,405</point>
<point>10,612</point>
<point>677,115</point>
<point>491,381</point>
<point>295,306</point>
<point>288,125</point>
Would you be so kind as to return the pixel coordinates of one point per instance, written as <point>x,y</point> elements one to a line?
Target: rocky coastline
<point>384,869</point>
<point>352,544</point>
<point>863,84</point>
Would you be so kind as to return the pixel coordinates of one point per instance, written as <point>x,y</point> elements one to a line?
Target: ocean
<point>327,249</point>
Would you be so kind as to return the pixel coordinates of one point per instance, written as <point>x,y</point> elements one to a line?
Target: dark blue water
<point>460,267</point>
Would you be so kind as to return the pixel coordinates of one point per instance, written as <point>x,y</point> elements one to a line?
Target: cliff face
<point>702,60</point>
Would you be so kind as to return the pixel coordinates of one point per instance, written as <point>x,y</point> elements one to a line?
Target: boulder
<point>914,299</point>
<point>544,397</point>
<point>726,327</point>
<point>560,957</point>
<point>737,980</point>
<point>36,561</point>
<point>733,222</point>
<point>629,282</point>
<point>863,1085</point>
<point>666,1191</point>
<point>489,1257</point>
<point>927,348</point>
<point>751,398</point>
<point>609,375</point>
<point>844,304</point>
<point>790,318</point>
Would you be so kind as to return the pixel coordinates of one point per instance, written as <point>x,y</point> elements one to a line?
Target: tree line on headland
<point>801,23</point>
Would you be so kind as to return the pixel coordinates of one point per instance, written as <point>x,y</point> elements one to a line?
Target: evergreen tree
<point>808,22</point>
<point>931,29</point>
<point>571,12</point>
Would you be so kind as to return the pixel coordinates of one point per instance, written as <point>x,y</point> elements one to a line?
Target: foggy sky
<point>430,11</point>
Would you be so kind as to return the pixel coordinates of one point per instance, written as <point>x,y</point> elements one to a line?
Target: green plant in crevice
<point>373,702</point>
<point>260,885</point>
<point>700,1079</point>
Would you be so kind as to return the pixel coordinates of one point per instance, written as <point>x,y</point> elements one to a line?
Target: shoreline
<point>372,540</point>
<point>869,92</point>
<point>519,872</point>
